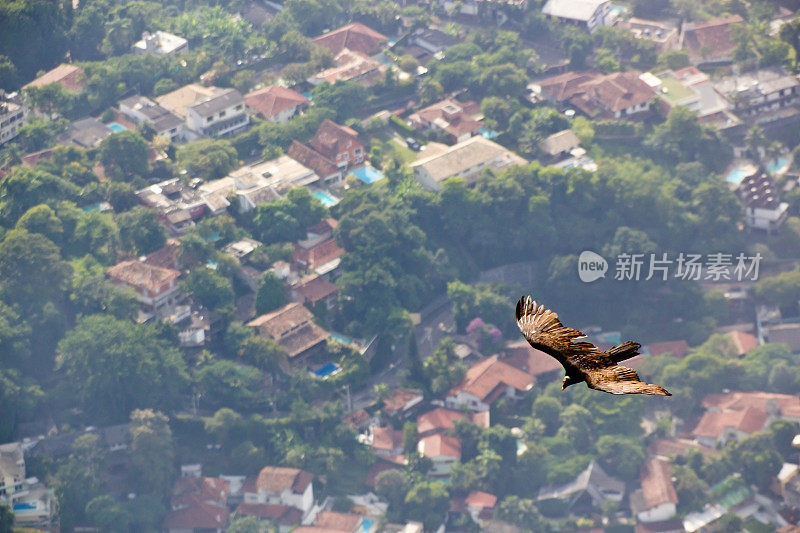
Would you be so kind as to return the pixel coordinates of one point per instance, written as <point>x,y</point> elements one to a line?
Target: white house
<point>282,486</point>
<point>762,205</point>
<point>160,43</point>
<point>487,381</point>
<point>207,111</point>
<point>443,450</point>
<point>12,118</point>
<point>141,109</point>
<point>586,13</point>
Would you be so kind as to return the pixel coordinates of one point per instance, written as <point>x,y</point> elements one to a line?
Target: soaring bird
<point>582,361</point>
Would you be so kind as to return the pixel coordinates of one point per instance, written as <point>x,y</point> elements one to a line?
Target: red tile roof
<point>489,376</point>
<point>141,275</point>
<point>338,521</point>
<point>356,36</point>
<point>277,479</point>
<point>657,487</point>
<point>284,514</point>
<point>439,445</point>
<point>677,348</point>
<point>714,423</point>
<point>307,156</point>
<point>70,77</point>
<point>387,439</point>
<point>200,515</point>
<point>786,405</point>
<point>332,139</point>
<point>400,399</point>
<point>313,289</point>
<point>595,93</point>
<point>273,99</point>
<point>477,498</point>
<point>292,326</point>
<point>205,489</point>
<point>525,357</point>
<point>317,255</point>
<point>711,39</point>
<point>442,419</point>
<point>743,341</point>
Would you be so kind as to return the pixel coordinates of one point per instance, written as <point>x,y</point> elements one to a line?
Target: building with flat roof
<point>160,43</point>
<point>589,14</point>
<point>207,111</point>
<point>463,160</point>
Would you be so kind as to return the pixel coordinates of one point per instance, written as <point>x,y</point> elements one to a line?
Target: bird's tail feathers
<point>624,351</point>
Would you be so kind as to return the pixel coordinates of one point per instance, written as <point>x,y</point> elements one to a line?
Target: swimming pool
<point>116,127</point>
<point>777,164</point>
<point>327,370</point>
<point>325,199</point>
<point>367,174</point>
<point>487,133</point>
<point>341,338</point>
<point>367,524</point>
<point>736,175</point>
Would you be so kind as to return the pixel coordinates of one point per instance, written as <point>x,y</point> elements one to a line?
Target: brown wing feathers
<point>544,331</point>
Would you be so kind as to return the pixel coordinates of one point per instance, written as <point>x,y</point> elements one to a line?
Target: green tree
<point>227,383</point>
<point>125,154</point>
<point>6,519</point>
<point>140,231</point>
<point>427,501</point>
<point>19,396</point>
<point>344,97</point>
<point>42,219</point>
<point>208,158</point>
<point>621,456</point>
<point>31,269</point>
<point>152,452</point>
<point>114,367</point>
<point>211,289</point>
<point>270,294</point>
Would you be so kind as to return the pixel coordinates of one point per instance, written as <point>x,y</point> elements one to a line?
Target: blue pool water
<point>736,175</point>
<point>341,338</point>
<point>325,199</point>
<point>777,164</point>
<point>327,370</point>
<point>487,133</point>
<point>367,174</point>
<point>367,524</point>
<point>116,127</point>
<point>24,507</point>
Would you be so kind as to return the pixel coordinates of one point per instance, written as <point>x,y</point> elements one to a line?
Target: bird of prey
<point>582,361</point>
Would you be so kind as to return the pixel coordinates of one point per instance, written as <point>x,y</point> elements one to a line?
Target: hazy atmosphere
<point>260,265</point>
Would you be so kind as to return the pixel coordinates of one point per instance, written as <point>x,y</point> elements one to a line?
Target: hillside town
<point>259,262</point>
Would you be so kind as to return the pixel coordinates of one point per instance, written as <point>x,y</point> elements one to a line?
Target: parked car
<point>413,144</point>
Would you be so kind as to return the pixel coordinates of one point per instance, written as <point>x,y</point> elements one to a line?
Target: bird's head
<point>567,382</point>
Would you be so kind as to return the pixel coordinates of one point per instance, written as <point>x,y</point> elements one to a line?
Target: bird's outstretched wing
<point>621,380</point>
<point>544,331</point>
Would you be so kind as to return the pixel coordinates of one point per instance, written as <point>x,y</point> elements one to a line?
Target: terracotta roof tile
<point>200,515</point>
<point>356,36</point>
<point>387,439</point>
<point>785,405</point>
<point>141,275</point>
<point>711,39</point>
<point>307,156</point>
<point>714,423</point>
<point>657,487</point>
<point>338,521</point>
<point>284,514</point>
<point>71,77</point>
<point>489,376</point>
<point>439,445</point>
<point>677,348</point>
<point>477,498</point>
<point>277,479</point>
<point>525,357</point>
<point>743,341</point>
<point>271,100</point>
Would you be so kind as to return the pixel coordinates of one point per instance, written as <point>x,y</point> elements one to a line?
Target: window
<point>221,114</point>
<point>239,107</point>
<point>209,119</point>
